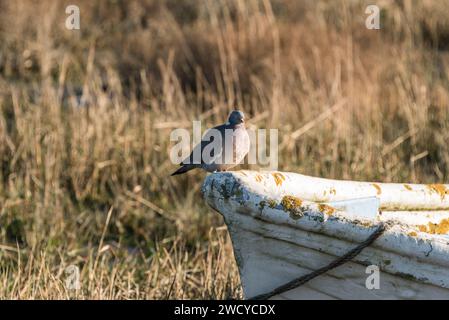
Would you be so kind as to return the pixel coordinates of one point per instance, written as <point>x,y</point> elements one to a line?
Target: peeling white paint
<point>280,230</point>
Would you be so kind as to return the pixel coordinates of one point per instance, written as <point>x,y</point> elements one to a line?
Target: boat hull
<point>271,255</point>
<point>272,246</point>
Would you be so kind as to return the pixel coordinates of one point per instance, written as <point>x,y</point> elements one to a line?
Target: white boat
<point>286,225</point>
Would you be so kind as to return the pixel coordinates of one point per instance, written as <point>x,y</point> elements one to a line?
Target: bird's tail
<point>184,169</point>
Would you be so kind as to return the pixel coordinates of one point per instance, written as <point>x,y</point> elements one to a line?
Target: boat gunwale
<point>392,196</point>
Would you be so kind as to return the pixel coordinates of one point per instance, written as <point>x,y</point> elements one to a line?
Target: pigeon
<point>221,147</point>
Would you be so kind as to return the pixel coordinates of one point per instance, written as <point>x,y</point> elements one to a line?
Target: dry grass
<point>85,118</point>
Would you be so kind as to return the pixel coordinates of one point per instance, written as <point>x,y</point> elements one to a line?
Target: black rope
<point>338,262</point>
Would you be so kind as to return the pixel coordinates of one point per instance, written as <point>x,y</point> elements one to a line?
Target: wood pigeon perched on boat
<point>221,147</point>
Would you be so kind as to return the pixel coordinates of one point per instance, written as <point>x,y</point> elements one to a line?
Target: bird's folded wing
<point>213,154</point>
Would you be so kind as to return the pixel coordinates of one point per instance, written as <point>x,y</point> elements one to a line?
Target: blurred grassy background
<point>85,121</point>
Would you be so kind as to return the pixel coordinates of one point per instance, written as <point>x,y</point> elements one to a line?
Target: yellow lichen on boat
<point>292,205</point>
<point>326,209</point>
<point>377,187</point>
<point>406,186</point>
<point>412,234</point>
<point>435,228</point>
<point>333,191</point>
<point>272,203</point>
<point>278,178</point>
<point>440,189</point>
<point>366,224</point>
<point>291,202</point>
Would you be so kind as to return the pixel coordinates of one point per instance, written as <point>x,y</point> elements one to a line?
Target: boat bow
<point>284,225</point>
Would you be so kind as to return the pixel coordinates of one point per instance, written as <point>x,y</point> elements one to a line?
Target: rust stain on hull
<point>278,178</point>
<point>440,189</point>
<point>378,189</point>
<point>435,228</point>
<point>326,209</point>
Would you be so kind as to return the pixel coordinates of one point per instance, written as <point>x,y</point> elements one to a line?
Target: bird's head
<point>236,117</point>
